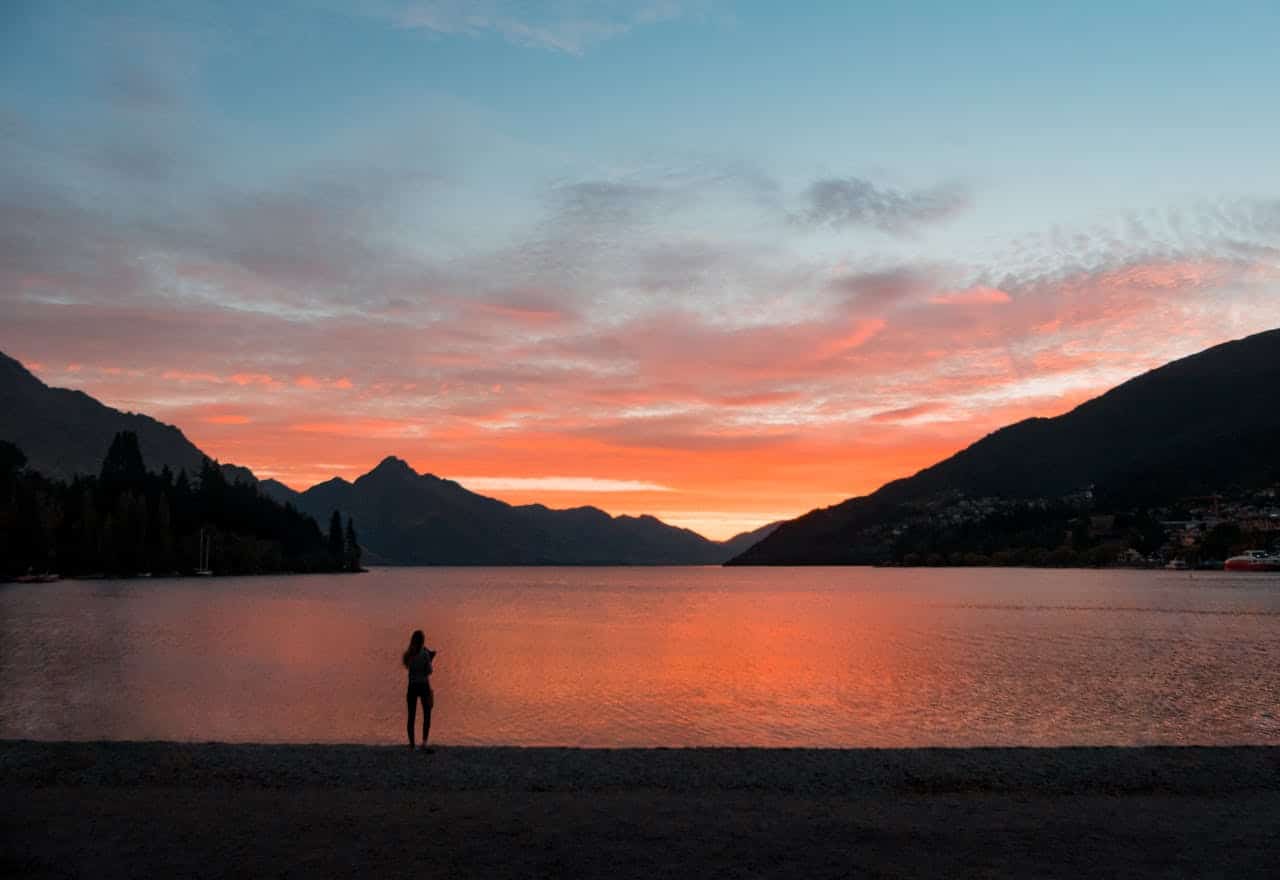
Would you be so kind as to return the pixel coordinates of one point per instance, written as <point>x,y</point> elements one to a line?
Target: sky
<point>718,262</point>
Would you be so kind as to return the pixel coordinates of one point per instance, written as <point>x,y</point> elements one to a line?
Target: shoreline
<point>1179,770</point>
<point>164,576</point>
<point>119,809</point>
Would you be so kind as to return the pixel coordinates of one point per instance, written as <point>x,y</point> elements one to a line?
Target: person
<point>418,660</point>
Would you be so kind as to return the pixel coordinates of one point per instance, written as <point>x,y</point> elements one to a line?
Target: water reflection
<point>613,657</point>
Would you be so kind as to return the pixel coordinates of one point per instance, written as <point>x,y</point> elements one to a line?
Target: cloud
<point>876,292</point>
<point>363,427</point>
<point>558,484</point>
<point>594,203</point>
<point>841,202</point>
<point>978,295</point>
<point>570,28</point>
<point>668,325</point>
<point>313,383</point>
<point>907,413</point>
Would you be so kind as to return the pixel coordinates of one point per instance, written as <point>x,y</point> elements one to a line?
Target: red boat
<point>1254,560</point>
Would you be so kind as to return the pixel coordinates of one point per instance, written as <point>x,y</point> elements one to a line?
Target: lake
<point>654,657</point>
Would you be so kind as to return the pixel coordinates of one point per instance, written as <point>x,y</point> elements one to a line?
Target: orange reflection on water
<point>634,657</point>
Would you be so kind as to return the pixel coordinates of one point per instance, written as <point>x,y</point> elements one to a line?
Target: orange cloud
<point>856,337</point>
<point>972,296</point>
<point>522,314</point>
<point>1173,275</point>
<point>905,413</point>
<point>188,376</point>
<point>363,428</point>
<point>254,379</point>
<point>312,383</point>
<point>751,412</point>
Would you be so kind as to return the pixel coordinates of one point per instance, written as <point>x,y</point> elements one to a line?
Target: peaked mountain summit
<point>404,517</point>
<point>1204,424</point>
<point>422,519</point>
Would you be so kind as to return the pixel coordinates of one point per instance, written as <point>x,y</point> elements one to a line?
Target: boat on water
<point>1253,560</point>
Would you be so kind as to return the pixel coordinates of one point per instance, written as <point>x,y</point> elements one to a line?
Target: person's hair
<point>415,646</point>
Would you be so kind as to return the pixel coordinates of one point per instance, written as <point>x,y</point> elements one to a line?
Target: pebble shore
<point>1174,770</point>
<point>114,809</point>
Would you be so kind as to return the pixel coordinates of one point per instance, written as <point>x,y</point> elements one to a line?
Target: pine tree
<point>163,536</point>
<point>353,547</point>
<point>337,544</point>
<point>12,461</point>
<point>123,465</point>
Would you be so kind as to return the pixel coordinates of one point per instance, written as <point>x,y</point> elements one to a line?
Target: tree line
<point>129,521</point>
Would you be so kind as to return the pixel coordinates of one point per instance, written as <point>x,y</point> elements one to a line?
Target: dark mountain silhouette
<point>64,432</point>
<point>1206,423</point>
<point>404,517</point>
<point>421,519</point>
<point>743,541</point>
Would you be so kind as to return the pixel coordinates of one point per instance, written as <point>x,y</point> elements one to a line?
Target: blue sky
<point>962,212</point>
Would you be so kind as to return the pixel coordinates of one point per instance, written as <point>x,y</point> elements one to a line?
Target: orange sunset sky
<point>716,430</point>
<point>718,265</point>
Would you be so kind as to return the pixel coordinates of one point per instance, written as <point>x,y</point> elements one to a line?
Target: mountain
<point>64,432</point>
<point>743,541</point>
<point>403,517</point>
<point>1203,424</point>
<point>421,519</point>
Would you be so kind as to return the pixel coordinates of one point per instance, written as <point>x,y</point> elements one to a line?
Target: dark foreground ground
<point>108,810</point>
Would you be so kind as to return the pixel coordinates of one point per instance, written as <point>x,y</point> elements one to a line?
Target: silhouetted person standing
<point>417,659</point>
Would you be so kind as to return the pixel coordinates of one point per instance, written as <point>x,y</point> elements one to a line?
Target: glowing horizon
<point>601,253</point>
<point>734,511</point>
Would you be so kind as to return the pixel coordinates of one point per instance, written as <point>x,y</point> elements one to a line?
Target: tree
<point>352,547</point>
<point>123,464</point>
<point>163,553</point>
<point>129,521</point>
<point>12,460</point>
<point>337,543</point>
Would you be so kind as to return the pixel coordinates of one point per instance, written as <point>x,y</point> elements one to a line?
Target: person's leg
<point>428,703</point>
<point>413,709</point>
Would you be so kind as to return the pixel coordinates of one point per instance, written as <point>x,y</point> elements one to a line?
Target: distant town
<point>1195,533</point>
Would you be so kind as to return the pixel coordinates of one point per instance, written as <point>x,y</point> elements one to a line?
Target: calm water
<point>676,656</point>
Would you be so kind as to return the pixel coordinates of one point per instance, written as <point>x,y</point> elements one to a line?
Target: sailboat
<point>206,549</point>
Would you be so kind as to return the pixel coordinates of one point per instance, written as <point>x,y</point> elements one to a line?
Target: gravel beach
<point>205,810</point>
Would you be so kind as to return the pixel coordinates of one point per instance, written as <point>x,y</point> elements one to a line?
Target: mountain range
<point>403,517</point>
<point>421,519</point>
<point>1203,424</point>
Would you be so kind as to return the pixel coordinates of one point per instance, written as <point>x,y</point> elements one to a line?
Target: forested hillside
<point>128,521</point>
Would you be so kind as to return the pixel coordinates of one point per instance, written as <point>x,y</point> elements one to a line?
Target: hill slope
<point>1206,423</point>
<point>421,519</point>
<point>64,432</point>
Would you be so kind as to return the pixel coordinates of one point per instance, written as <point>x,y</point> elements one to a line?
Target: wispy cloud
<point>839,202</point>
<point>558,484</point>
<point>568,27</point>
<point>662,325</point>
